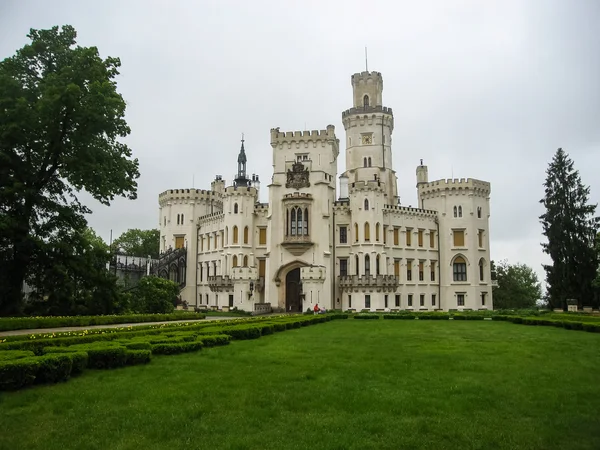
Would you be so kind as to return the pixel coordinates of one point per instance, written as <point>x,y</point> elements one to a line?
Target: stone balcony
<point>386,283</point>
<point>220,283</point>
<point>297,245</point>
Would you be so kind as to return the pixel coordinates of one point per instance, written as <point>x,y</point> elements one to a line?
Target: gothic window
<point>366,101</point>
<point>367,266</point>
<point>460,211</point>
<point>455,213</point>
<point>235,261</point>
<point>177,219</point>
<point>235,208</point>
<point>245,260</point>
<point>226,235</point>
<point>356,264</point>
<point>355,232</point>
<point>459,269</point>
<point>377,260</point>
<point>481,272</point>
<point>367,232</point>
<point>377,231</point>
<point>365,162</point>
<point>366,204</point>
<point>297,221</point>
<point>235,234</point>
<point>343,235</point>
<point>245,235</point>
<point>479,212</point>
<point>182,219</point>
<point>369,160</point>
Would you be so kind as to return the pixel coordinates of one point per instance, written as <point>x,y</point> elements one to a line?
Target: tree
<point>71,277</point>
<point>60,120</point>
<point>570,229</point>
<point>155,295</point>
<point>518,286</point>
<point>138,242</point>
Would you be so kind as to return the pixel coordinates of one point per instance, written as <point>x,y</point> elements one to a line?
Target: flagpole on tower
<point>366,60</point>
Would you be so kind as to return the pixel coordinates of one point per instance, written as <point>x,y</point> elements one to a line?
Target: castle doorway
<point>293,301</point>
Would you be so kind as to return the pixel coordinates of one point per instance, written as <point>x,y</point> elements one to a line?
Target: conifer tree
<point>570,227</point>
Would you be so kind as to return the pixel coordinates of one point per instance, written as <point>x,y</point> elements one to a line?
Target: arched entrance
<point>293,301</point>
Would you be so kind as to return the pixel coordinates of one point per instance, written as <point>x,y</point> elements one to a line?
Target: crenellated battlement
<point>241,191</point>
<point>365,76</point>
<point>185,194</point>
<point>261,208</point>
<point>367,185</point>
<point>313,273</point>
<point>279,137</point>
<point>367,110</point>
<point>468,184</point>
<point>297,196</point>
<point>210,218</point>
<point>387,209</point>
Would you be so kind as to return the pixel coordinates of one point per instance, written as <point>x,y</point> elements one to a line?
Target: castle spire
<point>241,179</point>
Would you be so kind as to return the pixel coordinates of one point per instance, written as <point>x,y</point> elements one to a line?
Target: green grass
<point>346,384</point>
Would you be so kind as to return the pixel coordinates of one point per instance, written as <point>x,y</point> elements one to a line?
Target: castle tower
<point>369,127</point>
<point>241,179</point>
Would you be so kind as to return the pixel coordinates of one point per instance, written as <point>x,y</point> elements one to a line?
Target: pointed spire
<point>242,155</point>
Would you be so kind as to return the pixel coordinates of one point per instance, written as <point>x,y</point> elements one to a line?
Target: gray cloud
<point>479,89</point>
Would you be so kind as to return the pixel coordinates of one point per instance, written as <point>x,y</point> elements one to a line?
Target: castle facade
<point>355,249</point>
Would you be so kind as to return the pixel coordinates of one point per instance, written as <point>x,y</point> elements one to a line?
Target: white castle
<point>359,250</point>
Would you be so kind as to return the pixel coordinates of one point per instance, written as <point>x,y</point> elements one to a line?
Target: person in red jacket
<point>316,309</point>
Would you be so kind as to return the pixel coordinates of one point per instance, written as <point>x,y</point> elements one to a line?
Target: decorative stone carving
<point>297,176</point>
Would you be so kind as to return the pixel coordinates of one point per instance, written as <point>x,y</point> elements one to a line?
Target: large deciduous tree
<point>570,227</point>
<point>138,242</point>
<point>518,286</point>
<point>61,119</point>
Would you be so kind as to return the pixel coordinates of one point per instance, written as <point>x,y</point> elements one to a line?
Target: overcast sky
<point>482,89</point>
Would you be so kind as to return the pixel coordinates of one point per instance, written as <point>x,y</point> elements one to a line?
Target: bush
<point>366,316</point>
<point>104,355</point>
<point>399,316</point>
<point>138,357</point>
<point>176,347</point>
<point>7,355</point>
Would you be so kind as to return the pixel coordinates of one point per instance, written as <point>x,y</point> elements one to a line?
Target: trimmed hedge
<point>592,327</point>
<point>366,316</point>
<point>61,358</point>
<point>25,323</point>
<point>399,316</point>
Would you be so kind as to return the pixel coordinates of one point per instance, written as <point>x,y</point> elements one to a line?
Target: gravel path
<point>114,325</point>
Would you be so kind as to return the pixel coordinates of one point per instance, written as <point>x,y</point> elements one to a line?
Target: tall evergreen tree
<point>570,227</point>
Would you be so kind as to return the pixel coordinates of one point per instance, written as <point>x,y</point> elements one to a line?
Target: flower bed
<point>25,323</point>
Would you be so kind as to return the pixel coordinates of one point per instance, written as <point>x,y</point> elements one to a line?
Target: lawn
<point>345,384</point>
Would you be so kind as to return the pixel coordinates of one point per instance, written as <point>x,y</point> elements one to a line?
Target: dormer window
<point>366,101</point>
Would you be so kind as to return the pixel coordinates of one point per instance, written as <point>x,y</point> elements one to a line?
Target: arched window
<point>226,235</point>
<point>367,266</point>
<point>369,160</point>
<point>182,219</point>
<point>366,101</point>
<point>305,221</point>
<point>165,221</point>
<point>479,212</point>
<point>235,234</point>
<point>177,219</point>
<point>377,265</point>
<point>235,208</point>
<point>367,232</point>
<point>355,232</point>
<point>245,235</point>
<point>365,162</point>
<point>460,211</point>
<point>455,214</point>
<point>459,269</point>
<point>297,221</point>
<point>377,231</point>
<point>245,260</point>
<point>234,264</point>
<point>356,264</point>
<point>481,272</point>
<point>366,204</point>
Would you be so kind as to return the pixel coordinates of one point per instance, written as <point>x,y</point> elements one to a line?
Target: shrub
<point>139,356</point>
<point>176,347</point>
<point>366,316</point>
<point>18,373</point>
<point>7,355</point>
<point>399,316</point>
